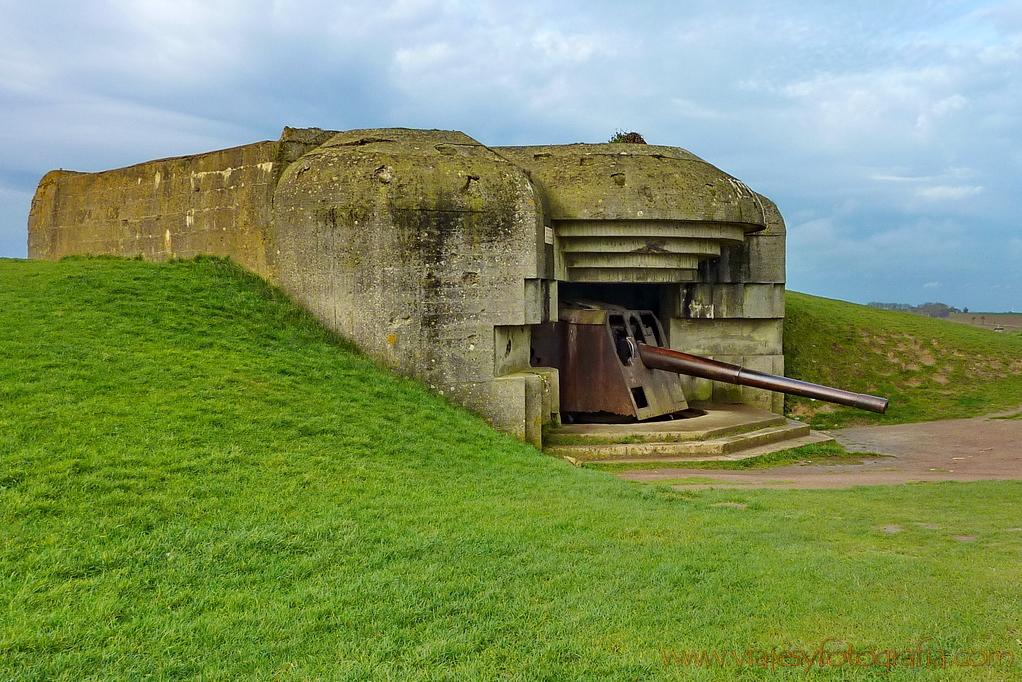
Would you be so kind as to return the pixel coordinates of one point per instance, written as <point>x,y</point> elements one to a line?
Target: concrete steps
<point>723,432</point>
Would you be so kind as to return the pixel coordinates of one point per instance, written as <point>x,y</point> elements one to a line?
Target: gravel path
<point>975,449</point>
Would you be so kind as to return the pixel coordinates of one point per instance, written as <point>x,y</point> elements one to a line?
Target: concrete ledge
<point>727,337</point>
<point>699,450</point>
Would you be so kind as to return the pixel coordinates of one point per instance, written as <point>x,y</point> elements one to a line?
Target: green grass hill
<point>929,368</point>
<point>197,482</point>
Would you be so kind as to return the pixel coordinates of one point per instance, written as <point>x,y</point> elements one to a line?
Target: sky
<point>888,133</point>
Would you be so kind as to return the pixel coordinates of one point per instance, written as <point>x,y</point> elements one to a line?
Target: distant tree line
<point>927,309</point>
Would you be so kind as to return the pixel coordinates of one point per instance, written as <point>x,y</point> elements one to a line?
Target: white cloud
<point>900,178</point>
<point>931,116</point>
<point>21,75</point>
<point>691,109</point>
<point>867,109</point>
<point>936,194</point>
<point>560,48</point>
<point>948,105</point>
<point>88,141</point>
<point>429,57</point>
<point>944,192</point>
<point>417,11</point>
<point>931,285</point>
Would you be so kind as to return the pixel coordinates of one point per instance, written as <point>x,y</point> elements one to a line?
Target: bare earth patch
<point>982,448</point>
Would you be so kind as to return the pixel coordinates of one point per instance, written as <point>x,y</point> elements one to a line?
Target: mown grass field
<point>928,368</point>
<point>199,483</point>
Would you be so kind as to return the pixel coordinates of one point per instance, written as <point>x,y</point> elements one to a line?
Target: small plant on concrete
<point>629,138</point>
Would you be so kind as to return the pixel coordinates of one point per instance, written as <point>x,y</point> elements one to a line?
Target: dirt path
<point>955,450</point>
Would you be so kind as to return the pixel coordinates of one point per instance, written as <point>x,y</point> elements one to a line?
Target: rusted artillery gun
<point>612,363</point>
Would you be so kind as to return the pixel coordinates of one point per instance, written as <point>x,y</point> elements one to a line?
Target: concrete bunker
<point>455,262</point>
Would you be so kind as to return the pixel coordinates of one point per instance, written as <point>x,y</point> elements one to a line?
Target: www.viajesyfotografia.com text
<point>923,656</point>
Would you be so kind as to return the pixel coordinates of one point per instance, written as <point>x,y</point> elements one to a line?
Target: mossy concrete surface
<point>636,182</point>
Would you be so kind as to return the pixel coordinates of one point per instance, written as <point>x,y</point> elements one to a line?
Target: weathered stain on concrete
<point>437,254</point>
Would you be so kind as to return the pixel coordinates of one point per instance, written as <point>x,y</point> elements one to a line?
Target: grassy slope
<point>197,482</point>
<point>928,368</point>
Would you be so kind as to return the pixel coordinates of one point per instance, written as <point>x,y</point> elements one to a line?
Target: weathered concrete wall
<point>215,203</point>
<point>426,249</point>
<point>735,313</point>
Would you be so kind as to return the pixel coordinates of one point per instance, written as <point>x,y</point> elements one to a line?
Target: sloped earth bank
<point>981,448</point>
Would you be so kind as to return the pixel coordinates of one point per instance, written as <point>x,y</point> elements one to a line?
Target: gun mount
<point>613,360</point>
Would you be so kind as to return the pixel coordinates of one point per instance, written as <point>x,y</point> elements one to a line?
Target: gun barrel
<point>694,365</point>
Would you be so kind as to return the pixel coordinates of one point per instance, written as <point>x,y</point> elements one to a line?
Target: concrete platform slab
<point>715,422</point>
<point>724,432</point>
